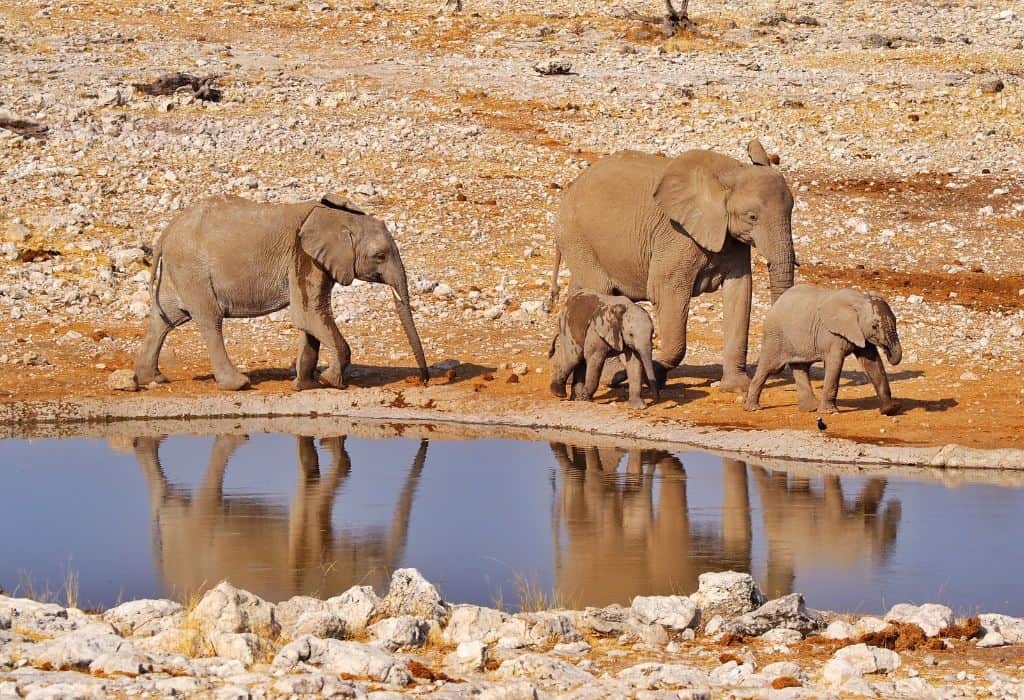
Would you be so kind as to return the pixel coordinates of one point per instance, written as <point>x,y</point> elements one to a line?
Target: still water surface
<point>282,515</point>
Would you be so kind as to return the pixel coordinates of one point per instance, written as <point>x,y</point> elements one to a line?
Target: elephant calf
<point>592,328</point>
<point>228,257</point>
<point>808,324</point>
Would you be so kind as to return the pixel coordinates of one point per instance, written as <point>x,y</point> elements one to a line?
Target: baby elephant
<point>808,324</point>
<point>592,328</point>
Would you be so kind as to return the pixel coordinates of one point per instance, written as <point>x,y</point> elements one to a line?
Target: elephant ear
<point>607,323</point>
<point>758,156</point>
<point>335,202</point>
<point>325,238</point>
<point>839,316</point>
<point>693,197</point>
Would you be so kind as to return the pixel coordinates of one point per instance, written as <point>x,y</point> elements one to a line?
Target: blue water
<point>281,515</point>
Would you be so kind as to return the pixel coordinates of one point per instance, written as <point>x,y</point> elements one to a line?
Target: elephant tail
<point>553,298</point>
<point>156,277</point>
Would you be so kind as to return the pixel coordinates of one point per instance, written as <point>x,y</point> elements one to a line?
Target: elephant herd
<point>612,510</point>
<point>632,227</point>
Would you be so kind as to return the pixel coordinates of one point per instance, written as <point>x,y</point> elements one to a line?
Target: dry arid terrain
<point>898,126</point>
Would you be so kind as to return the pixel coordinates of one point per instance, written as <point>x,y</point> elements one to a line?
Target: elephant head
<point>863,319</point>
<point>707,195</point>
<point>352,245</point>
<point>638,333</point>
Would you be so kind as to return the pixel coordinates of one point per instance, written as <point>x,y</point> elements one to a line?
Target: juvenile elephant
<point>593,327</point>
<point>808,324</point>
<point>669,229</point>
<point>228,257</point>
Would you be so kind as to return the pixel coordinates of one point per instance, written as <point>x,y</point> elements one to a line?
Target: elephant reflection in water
<point>625,540</point>
<point>205,537</point>
<point>809,528</point>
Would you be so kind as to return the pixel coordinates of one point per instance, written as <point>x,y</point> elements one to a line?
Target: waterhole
<point>492,522</point>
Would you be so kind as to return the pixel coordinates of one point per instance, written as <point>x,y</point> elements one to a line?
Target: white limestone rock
<point>930,617</point>
<point>338,657</point>
<point>1011,628</point>
<point>838,629</point>
<point>229,609</point>
<point>144,618</point>
<point>727,593</point>
<point>672,611</point>
<point>411,594</point>
<point>244,647</point>
<point>402,632</point>
<point>869,659</point>
<point>469,623</point>
<point>356,606</point>
<point>540,667</point>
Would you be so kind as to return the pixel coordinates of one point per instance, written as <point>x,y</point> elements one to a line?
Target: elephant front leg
<point>671,309</point>
<point>595,364</point>
<point>736,291</point>
<point>833,370</point>
<point>321,326</point>
<point>871,363</point>
<point>305,362</point>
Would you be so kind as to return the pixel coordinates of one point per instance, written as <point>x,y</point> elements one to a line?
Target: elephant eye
<point>380,257</point>
<point>751,216</point>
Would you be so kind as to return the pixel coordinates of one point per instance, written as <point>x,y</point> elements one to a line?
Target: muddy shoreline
<point>320,411</point>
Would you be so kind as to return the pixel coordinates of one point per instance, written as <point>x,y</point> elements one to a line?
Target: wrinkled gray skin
<point>669,229</point>
<point>810,324</point>
<point>592,328</point>
<point>228,257</point>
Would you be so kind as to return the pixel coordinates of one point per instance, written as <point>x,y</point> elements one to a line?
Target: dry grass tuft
<point>731,640</point>
<point>533,597</point>
<point>900,636</point>
<point>969,629</point>
<point>421,671</point>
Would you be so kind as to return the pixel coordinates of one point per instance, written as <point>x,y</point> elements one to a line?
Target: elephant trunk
<point>781,260</point>
<point>404,310</point>
<point>894,352</point>
<point>652,378</point>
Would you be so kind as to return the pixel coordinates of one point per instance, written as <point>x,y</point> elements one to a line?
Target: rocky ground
<point>898,127</point>
<point>724,640</point>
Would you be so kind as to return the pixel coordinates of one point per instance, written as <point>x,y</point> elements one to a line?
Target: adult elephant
<point>228,257</point>
<point>669,229</point>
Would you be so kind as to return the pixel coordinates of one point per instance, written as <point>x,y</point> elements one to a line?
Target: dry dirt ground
<point>905,161</point>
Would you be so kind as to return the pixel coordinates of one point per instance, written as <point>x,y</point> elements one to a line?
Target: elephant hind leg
<point>212,330</point>
<point>165,316</point>
<point>587,272</point>
<point>804,392</point>
<point>770,361</point>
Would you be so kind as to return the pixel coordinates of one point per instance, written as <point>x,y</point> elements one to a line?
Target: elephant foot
<point>749,405</point>
<point>891,408</point>
<point>660,377</point>
<point>734,383</point>
<point>147,377</point>
<point>233,382</point>
<point>807,405</point>
<point>637,404</point>
<point>827,408</point>
<point>558,389</point>
<point>305,384</point>
<point>333,377</point>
